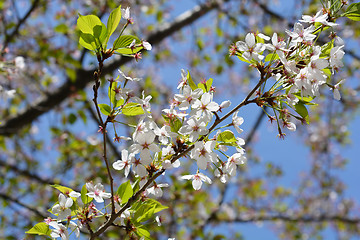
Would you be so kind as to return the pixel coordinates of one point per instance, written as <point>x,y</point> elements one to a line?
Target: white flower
<point>233,161</point>
<point>164,133</point>
<point>198,179</point>
<point>144,103</point>
<point>97,192</point>
<point>62,208</point>
<point>319,17</point>
<point>336,54</point>
<point>204,107</point>
<point>167,164</point>
<point>301,34</point>
<point>203,153</point>
<point>20,62</point>
<point>156,189</point>
<point>194,128</point>
<point>125,13</point>
<point>291,126</point>
<point>144,146</point>
<point>237,121</point>
<point>188,97</point>
<point>74,194</point>
<point>337,95</point>
<point>251,49</point>
<point>59,231</point>
<point>6,94</point>
<point>125,162</point>
<point>128,78</point>
<point>146,45</point>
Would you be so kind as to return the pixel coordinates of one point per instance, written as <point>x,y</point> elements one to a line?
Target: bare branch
<point>44,104</point>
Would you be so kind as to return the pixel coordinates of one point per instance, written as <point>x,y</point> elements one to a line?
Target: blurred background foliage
<point>48,133</point>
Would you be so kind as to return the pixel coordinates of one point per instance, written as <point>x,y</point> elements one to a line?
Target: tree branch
<point>26,173</point>
<point>44,104</point>
<point>9,38</point>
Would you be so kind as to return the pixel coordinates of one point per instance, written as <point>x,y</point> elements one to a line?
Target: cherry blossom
<point>125,162</point>
<point>97,192</point>
<point>251,49</point>
<point>63,207</point>
<point>198,179</point>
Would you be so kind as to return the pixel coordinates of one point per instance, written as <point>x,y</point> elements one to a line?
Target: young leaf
<point>124,41</point>
<point>91,24</point>
<point>226,136</point>
<point>40,229</point>
<point>206,87</point>
<point>85,198</point>
<point>128,51</point>
<point>302,111</point>
<point>271,57</point>
<point>353,12</point>
<point>64,190</point>
<point>141,231</point>
<point>105,109</point>
<point>125,192</point>
<point>113,22</point>
<point>88,41</point>
<point>190,81</point>
<point>132,109</point>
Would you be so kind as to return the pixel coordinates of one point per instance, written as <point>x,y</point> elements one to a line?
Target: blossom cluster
<point>187,123</point>
<point>299,66</point>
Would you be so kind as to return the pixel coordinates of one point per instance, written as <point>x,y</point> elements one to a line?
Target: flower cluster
<point>298,64</point>
<point>187,124</point>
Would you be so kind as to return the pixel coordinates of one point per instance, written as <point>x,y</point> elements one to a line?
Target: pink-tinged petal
<point>98,198</point>
<point>196,183</point>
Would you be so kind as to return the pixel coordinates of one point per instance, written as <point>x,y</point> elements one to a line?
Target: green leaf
<point>271,57</point>
<point>353,12</point>
<point>243,59</point>
<point>132,109</point>
<point>141,231</point>
<point>302,111</point>
<point>85,198</point>
<point>88,41</point>
<point>128,51</point>
<point>335,5</point>
<point>105,109</point>
<point>326,49</point>
<point>124,41</point>
<point>226,136</point>
<point>125,192</point>
<point>206,87</point>
<point>112,96</point>
<point>113,22</point>
<point>146,210</point>
<point>92,25</point>
<point>190,81</point>
<point>305,100</point>
<point>174,122</point>
<point>40,229</point>
<point>64,190</point>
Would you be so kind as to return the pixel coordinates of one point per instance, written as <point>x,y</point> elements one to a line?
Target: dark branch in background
<point>83,77</point>
<point>10,37</point>
<point>30,208</point>
<point>26,173</point>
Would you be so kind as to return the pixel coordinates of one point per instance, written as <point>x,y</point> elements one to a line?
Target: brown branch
<point>44,104</point>
<point>10,37</point>
<point>26,173</point>
<point>30,208</point>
